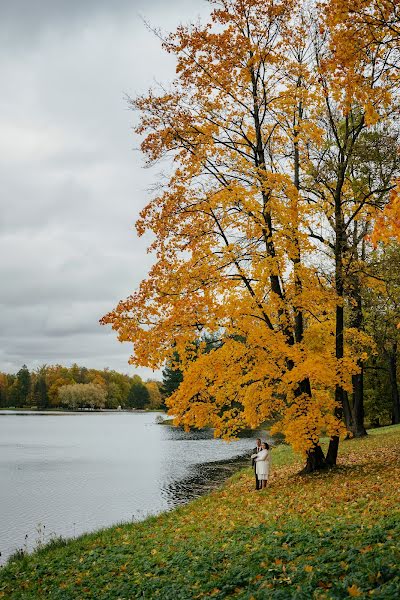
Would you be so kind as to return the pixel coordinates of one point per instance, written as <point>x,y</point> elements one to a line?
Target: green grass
<point>328,535</point>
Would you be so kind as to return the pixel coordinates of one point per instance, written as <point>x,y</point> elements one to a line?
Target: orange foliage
<point>233,255</point>
<point>364,39</point>
<point>387,226</point>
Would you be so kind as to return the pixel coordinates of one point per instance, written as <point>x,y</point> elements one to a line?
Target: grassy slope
<point>331,535</point>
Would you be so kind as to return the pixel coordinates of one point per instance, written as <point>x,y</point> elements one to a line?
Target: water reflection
<point>204,477</point>
<point>223,461</point>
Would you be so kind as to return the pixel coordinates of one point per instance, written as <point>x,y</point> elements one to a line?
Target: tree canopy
<point>284,154</point>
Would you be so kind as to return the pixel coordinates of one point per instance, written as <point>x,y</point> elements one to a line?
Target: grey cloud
<point>77,349</point>
<point>72,182</point>
<point>25,21</point>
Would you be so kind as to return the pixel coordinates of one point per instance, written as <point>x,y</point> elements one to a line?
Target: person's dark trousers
<point>253,463</point>
<point>258,482</point>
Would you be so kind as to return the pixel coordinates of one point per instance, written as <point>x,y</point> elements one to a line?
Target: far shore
<point>52,411</point>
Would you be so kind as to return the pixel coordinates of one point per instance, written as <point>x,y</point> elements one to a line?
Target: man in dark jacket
<point>256,450</point>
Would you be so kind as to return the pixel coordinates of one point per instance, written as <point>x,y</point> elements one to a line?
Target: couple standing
<point>260,460</point>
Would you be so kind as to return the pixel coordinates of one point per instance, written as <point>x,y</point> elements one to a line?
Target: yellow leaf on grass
<point>354,591</point>
<point>308,568</point>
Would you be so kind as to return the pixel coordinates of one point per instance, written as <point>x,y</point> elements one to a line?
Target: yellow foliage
<point>354,591</point>
<point>234,257</point>
<point>387,225</point>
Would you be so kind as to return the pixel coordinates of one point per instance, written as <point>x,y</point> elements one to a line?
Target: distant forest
<point>77,387</point>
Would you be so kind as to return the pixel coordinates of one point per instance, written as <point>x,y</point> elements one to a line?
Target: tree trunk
<point>356,321</point>
<point>358,428</point>
<point>315,456</point>
<point>315,460</point>
<point>348,416</point>
<point>393,385</point>
<point>331,456</point>
<point>345,145</point>
<point>333,448</point>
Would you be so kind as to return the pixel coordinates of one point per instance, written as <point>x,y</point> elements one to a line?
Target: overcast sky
<point>72,180</point>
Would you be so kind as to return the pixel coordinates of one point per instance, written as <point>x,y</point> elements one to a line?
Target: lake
<point>67,473</point>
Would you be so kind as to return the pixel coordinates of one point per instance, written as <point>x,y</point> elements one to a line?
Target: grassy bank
<point>329,535</point>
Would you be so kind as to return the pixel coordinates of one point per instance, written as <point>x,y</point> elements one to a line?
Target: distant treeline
<point>77,387</point>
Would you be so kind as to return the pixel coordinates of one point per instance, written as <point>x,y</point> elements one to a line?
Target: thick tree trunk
<point>393,385</point>
<point>315,460</point>
<point>315,457</point>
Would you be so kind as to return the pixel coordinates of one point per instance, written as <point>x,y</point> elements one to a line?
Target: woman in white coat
<point>262,464</point>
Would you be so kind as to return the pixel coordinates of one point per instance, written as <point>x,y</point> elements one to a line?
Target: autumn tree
<point>360,94</point>
<point>359,29</point>
<point>56,377</point>
<point>79,374</point>
<point>22,387</point>
<point>233,253</point>
<point>155,396</point>
<point>4,385</point>
<point>362,24</point>
<point>114,395</point>
<point>40,394</point>
<point>278,135</point>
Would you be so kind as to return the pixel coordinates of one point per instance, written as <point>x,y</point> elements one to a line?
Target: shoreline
<point>204,479</point>
<point>26,524</point>
<point>201,487</point>
<point>327,535</point>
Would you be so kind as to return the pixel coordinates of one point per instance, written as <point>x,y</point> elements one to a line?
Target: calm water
<point>65,474</point>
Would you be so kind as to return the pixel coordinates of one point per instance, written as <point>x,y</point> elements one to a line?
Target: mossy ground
<point>329,535</point>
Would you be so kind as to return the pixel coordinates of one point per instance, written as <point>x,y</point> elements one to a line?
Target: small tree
<point>82,395</point>
<point>23,386</point>
<point>3,390</point>
<point>172,376</point>
<point>40,395</point>
<point>154,387</point>
<point>114,396</point>
<point>138,396</point>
